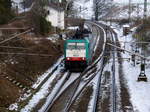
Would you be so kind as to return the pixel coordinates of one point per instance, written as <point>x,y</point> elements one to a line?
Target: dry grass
<point>24,68</point>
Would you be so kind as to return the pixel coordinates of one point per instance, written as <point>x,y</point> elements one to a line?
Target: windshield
<point>76,46</point>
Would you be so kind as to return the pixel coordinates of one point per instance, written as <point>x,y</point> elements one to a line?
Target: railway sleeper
<point>18,84</point>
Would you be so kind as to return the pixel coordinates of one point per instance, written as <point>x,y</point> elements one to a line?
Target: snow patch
<point>73,28</point>
<point>42,77</point>
<point>139,93</point>
<point>42,93</point>
<point>13,107</point>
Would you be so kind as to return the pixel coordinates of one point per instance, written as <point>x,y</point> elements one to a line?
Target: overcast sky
<point>134,1</point>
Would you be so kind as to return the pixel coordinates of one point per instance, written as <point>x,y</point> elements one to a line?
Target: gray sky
<point>134,1</point>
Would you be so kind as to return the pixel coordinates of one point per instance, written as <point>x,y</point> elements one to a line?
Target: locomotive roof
<point>77,40</point>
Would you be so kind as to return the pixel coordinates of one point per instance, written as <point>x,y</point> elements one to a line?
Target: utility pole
<point>24,5</point>
<point>67,11</point>
<point>96,9</point>
<point>145,11</point>
<point>129,19</point>
<point>80,9</point>
<point>138,10</point>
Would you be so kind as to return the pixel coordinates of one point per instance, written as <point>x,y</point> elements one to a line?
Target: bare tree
<point>102,8</point>
<point>38,15</point>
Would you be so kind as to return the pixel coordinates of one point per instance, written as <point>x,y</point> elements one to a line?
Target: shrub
<point>143,31</point>
<point>45,26</point>
<point>5,11</point>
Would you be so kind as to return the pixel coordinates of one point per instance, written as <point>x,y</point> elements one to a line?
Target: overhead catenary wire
<point>141,42</point>
<point>12,47</point>
<point>28,54</point>
<point>127,50</point>
<point>13,28</point>
<point>6,40</point>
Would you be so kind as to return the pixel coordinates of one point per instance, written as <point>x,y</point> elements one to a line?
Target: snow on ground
<point>72,78</point>
<point>91,103</point>
<point>140,96</point>
<point>13,106</point>
<point>96,78</point>
<point>53,38</point>
<point>17,1</point>
<point>117,86</point>
<point>42,77</point>
<point>73,28</point>
<point>35,100</point>
<point>94,83</point>
<point>54,92</point>
<point>44,91</point>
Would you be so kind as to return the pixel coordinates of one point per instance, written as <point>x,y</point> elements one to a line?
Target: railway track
<point>50,74</point>
<point>73,84</point>
<point>51,98</point>
<point>70,86</point>
<point>62,85</point>
<point>97,92</point>
<point>113,74</point>
<point>113,36</point>
<point>76,87</point>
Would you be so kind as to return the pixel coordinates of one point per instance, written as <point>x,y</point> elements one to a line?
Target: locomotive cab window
<point>80,45</point>
<point>71,46</point>
<point>76,46</point>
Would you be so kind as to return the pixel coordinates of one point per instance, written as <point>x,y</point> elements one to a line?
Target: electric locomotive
<point>77,52</point>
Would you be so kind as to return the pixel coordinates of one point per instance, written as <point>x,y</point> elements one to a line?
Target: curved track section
<point>68,93</point>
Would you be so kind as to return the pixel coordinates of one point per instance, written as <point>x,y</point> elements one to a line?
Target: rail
<point>98,86</point>
<point>113,77</point>
<point>99,59</point>
<point>75,94</point>
<point>52,98</point>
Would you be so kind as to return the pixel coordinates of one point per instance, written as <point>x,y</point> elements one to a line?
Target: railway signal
<point>142,76</point>
<point>133,58</point>
<point>126,30</point>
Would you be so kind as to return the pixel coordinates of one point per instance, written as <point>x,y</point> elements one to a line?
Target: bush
<point>45,26</point>
<point>143,31</point>
<point>39,23</point>
<point>5,11</point>
<point>4,18</point>
<point>38,16</point>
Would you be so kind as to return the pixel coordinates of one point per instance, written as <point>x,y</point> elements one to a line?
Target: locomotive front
<point>76,54</point>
